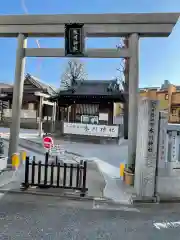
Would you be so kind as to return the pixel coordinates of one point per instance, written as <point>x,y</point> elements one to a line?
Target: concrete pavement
<point>112,153</point>
<point>108,165</point>
<point>25,131</point>
<point>110,157</point>
<point>29,152</point>
<point>95,180</point>
<point>106,157</point>
<point>32,217</point>
<point>15,178</point>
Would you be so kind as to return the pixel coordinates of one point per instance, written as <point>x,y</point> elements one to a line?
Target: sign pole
<point>48,143</point>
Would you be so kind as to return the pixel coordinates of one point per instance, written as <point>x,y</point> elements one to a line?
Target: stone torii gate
<point>95,25</point>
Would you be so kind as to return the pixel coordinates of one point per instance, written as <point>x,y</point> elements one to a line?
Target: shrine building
<point>90,102</point>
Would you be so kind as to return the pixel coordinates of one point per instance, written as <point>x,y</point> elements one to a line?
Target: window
<point>173,112</point>
<point>166,96</point>
<point>87,119</point>
<point>25,106</point>
<point>31,106</point>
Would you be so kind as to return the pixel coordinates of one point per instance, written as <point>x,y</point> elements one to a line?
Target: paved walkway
<point>107,158</point>
<point>112,154</point>
<point>95,181</point>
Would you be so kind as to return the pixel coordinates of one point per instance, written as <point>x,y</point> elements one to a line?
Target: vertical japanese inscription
<point>163,118</point>
<point>174,146</point>
<point>147,147</point>
<point>151,133</point>
<point>74,40</point>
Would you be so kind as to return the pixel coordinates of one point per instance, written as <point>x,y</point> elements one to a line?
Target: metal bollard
<point>22,157</point>
<point>15,161</point>
<point>121,170</point>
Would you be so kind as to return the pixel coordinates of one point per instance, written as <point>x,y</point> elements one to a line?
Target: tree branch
<point>74,72</point>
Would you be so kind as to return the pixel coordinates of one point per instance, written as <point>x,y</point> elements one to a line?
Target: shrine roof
<point>31,85</point>
<point>40,84</point>
<point>91,88</point>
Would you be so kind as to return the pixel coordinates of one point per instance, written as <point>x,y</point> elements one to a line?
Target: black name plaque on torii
<point>74,40</point>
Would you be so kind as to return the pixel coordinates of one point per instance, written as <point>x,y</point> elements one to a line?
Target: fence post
<point>33,172</point>
<point>46,169</point>
<point>46,157</point>
<point>77,175</point>
<point>39,172</point>
<point>25,185</point>
<point>80,172</point>
<point>64,174</point>
<point>83,190</point>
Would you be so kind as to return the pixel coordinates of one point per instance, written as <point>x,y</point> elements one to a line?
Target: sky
<point>159,57</point>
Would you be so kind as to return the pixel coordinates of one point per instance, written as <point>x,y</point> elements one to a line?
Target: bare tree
<point>3,105</point>
<point>74,73</point>
<point>122,65</point>
<point>123,79</point>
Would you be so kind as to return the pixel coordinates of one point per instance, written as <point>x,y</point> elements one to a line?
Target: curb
<point>66,196</point>
<point>106,182</point>
<point>169,200</point>
<point>154,200</point>
<point>136,200</point>
<point>27,147</point>
<point>39,144</point>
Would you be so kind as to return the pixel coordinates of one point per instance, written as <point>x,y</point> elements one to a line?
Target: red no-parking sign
<point>48,142</point>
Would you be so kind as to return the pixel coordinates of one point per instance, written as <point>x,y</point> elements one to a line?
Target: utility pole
<point>126,90</point>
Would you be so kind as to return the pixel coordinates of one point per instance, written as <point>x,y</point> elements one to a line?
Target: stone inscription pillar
<point>146,151</point>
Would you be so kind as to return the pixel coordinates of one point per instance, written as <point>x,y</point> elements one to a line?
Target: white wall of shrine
<point>91,130</point>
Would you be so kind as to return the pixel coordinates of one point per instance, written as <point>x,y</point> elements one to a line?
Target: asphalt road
<point>32,217</point>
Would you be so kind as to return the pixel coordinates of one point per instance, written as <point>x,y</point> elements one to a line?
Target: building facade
<point>168,96</point>
<point>169,99</point>
<point>30,111</point>
<point>90,102</point>
<point>85,110</point>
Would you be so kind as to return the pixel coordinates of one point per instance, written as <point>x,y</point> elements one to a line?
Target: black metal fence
<point>55,175</point>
